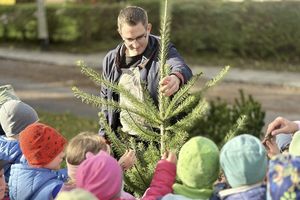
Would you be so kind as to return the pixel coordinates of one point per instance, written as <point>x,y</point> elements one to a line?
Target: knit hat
<point>40,144</point>
<point>15,116</point>
<point>283,140</point>
<point>7,93</point>
<point>294,148</point>
<point>244,160</point>
<point>101,175</point>
<point>197,168</point>
<point>75,194</point>
<point>284,177</point>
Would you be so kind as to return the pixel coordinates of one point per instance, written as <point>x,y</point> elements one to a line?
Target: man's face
<point>135,38</point>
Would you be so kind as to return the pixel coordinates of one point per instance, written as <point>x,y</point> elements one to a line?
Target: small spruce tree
<point>164,130</point>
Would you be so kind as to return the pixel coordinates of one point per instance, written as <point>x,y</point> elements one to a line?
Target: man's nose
<point>135,44</point>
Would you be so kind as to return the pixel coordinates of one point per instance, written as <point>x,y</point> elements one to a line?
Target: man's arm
<point>180,73</point>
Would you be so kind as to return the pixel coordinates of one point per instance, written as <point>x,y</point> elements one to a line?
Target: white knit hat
<point>15,116</point>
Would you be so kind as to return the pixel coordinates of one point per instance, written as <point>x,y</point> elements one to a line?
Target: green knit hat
<point>244,160</point>
<point>294,148</point>
<point>76,194</point>
<point>198,163</point>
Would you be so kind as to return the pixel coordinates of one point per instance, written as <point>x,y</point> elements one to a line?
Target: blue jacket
<point>256,192</point>
<point>9,150</point>
<point>27,183</point>
<point>149,73</point>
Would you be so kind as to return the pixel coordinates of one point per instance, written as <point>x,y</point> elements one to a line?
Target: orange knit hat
<point>40,144</point>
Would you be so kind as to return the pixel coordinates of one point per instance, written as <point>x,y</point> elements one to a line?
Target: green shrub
<point>222,116</point>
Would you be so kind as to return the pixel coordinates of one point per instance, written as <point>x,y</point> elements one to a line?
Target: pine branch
<point>240,124</point>
<point>191,118</point>
<point>143,132</point>
<point>184,105</point>
<point>118,146</point>
<point>217,78</point>
<point>98,101</point>
<point>182,94</point>
<point>146,107</point>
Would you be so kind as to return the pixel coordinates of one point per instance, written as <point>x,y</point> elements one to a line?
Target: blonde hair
<point>81,144</point>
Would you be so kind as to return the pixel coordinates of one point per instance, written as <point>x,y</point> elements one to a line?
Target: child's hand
<point>271,147</point>
<point>127,160</point>
<point>170,157</point>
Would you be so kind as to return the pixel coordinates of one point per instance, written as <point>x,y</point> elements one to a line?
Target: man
<point>138,54</point>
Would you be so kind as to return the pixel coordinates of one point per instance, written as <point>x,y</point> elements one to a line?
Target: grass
<point>68,124</point>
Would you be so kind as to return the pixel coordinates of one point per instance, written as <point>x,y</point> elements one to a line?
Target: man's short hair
<point>132,15</point>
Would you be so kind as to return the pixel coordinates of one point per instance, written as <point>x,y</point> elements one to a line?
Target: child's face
<point>55,163</point>
<point>2,184</point>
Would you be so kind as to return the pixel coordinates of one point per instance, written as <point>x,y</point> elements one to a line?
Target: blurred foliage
<point>221,116</point>
<point>254,30</point>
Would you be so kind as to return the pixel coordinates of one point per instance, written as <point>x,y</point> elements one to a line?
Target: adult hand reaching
<point>169,85</point>
<point>281,125</point>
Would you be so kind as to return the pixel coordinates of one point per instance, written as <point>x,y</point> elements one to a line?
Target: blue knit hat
<point>244,160</point>
<point>284,177</point>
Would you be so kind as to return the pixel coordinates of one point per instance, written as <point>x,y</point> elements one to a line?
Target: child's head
<point>294,148</point>
<point>42,146</point>
<point>244,161</point>
<point>81,144</point>
<point>101,175</point>
<point>15,116</point>
<point>283,141</point>
<point>284,177</point>
<point>197,167</point>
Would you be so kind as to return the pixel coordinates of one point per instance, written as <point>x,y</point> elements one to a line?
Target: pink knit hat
<point>101,175</point>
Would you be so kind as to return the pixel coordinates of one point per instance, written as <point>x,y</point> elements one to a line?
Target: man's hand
<point>281,125</point>
<point>127,160</point>
<point>169,85</point>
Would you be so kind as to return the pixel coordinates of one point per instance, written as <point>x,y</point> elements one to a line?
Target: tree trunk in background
<point>42,25</point>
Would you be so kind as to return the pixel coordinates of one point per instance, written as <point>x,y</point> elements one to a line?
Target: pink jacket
<point>162,181</point>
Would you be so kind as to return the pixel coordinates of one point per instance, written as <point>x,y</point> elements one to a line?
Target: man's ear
<point>149,27</point>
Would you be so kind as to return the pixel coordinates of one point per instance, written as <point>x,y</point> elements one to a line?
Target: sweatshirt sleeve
<point>162,181</point>
<point>178,66</point>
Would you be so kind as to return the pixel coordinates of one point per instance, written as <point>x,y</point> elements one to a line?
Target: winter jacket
<point>162,181</point>
<point>9,150</point>
<point>253,192</point>
<point>149,74</point>
<point>27,183</point>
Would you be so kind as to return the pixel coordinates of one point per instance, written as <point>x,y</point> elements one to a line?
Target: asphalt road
<point>48,87</point>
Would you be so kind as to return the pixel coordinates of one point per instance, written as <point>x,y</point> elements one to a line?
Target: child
<point>43,148</point>
<point>15,116</point>
<point>244,162</point>
<point>197,169</point>
<point>90,142</point>
<point>6,93</point>
<point>294,148</point>
<point>101,175</point>
<point>284,177</point>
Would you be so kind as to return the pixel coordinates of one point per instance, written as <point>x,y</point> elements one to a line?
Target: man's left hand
<point>169,85</point>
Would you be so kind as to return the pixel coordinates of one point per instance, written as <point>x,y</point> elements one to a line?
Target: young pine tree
<point>158,128</point>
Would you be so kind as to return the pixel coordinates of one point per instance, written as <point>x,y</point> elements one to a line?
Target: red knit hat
<point>40,144</point>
